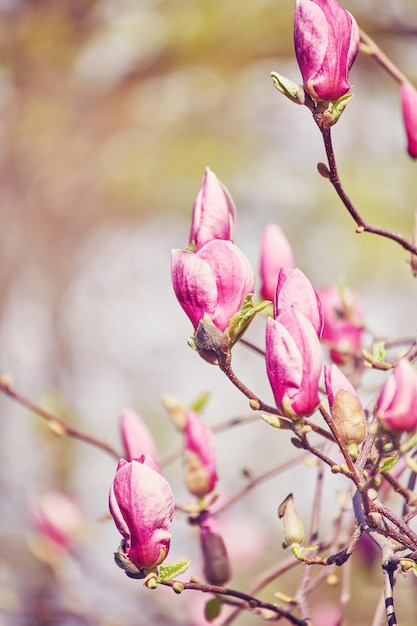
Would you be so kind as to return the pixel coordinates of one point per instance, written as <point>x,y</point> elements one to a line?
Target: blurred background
<point>110,110</point>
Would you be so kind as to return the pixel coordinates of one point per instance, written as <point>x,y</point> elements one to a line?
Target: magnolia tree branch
<point>250,602</point>
<point>57,425</point>
<point>333,176</point>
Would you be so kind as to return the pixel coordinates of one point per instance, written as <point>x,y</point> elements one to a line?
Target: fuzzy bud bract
<point>214,212</point>
<point>212,282</point>
<point>396,407</point>
<point>292,525</point>
<point>346,409</point>
<point>326,39</point>
<point>215,557</point>
<point>142,505</point>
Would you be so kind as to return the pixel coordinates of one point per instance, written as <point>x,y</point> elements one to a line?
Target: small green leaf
<point>212,609</point>
<point>168,572</point>
<point>241,320</point>
<point>200,402</point>
<point>288,88</point>
<point>388,464</point>
<point>378,352</point>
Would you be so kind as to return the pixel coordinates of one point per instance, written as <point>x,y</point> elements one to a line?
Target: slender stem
<point>250,601</point>
<point>362,225</point>
<point>57,424</point>
<point>373,50</point>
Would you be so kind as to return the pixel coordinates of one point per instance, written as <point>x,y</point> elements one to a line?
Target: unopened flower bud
<point>326,38</point>
<point>408,96</point>
<point>346,409</point>
<point>215,557</point>
<point>292,526</point>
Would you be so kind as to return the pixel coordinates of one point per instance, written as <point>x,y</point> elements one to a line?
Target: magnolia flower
<point>213,282</point>
<point>142,505</point>
<point>295,290</point>
<point>408,96</point>
<point>214,213</point>
<point>343,322</point>
<point>294,362</point>
<point>396,407</point>
<point>276,252</point>
<point>135,435</point>
<point>199,456</point>
<point>326,38</point>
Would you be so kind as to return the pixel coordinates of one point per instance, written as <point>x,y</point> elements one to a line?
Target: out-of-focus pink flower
<point>142,505</point>
<point>58,518</point>
<point>294,290</point>
<point>135,435</point>
<point>213,282</point>
<point>276,252</point>
<point>214,213</point>
<point>326,38</point>
<point>396,406</point>
<point>294,362</point>
<point>343,322</point>
<point>215,558</point>
<point>199,456</point>
<point>408,95</point>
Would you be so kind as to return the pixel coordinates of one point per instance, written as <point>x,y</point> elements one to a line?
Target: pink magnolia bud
<point>295,290</point>
<point>214,213</point>
<point>276,252</point>
<point>57,518</point>
<point>396,406</point>
<point>215,558</point>
<point>326,38</point>
<point>142,505</point>
<point>212,282</point>
<point>199,456</point>
<point>294,362</point>
<point>343,322</point>
<point>345,406</point>
<point>408,95</point>
<point>136,438</point>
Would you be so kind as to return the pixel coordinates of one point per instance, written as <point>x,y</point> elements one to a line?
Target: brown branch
<point>57,424</point>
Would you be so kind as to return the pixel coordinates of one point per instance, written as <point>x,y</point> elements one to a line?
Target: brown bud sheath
<point>349,417</point>
<point>215,558</point>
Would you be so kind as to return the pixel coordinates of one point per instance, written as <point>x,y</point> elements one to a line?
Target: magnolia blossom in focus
<point>343,322</point>
<point>294,362</point>
<point>212,282</point>
<point>408,95</point>
<point>326,39</point>
<point>142,505</point>
<point>294,290</point>
<point>135,435</point>
<point>276,252</point>
<point>214,213</point>
<point>396,406</point>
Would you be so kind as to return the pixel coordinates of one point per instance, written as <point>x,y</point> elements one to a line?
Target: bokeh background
<point>110,110</point>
